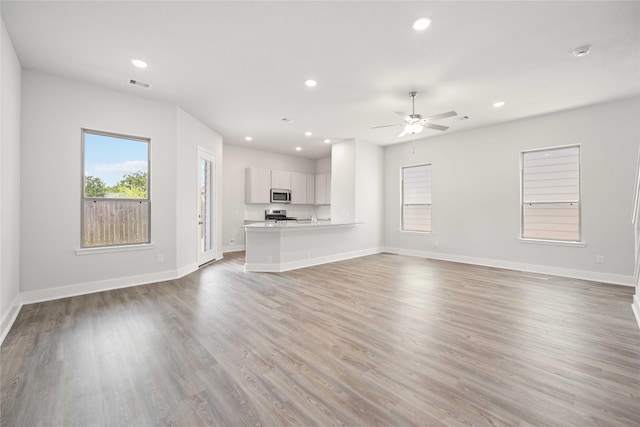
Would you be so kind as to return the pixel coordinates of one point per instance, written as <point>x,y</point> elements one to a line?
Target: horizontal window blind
<point>416,198</point>
<point>551,194</point>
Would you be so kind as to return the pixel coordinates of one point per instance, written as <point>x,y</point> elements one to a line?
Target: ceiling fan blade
<point>403,133</point>
<point>435,126</point>
<point>386,126</point>
<point>440,116</point>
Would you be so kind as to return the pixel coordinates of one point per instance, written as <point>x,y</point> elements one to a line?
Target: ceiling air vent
<point>139,83</point>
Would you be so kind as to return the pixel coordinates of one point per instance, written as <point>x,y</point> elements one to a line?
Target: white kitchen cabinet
<point>298,188</point>
<point>323,189</point>
<point>281,180</point>
<point>302,189</point>
<point>311,189</point>
<point>257,185</point>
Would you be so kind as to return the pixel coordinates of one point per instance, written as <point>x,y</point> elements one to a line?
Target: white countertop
<point>297,225</point>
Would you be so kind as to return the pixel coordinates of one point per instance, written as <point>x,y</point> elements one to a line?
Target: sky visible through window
<point>110,158</point>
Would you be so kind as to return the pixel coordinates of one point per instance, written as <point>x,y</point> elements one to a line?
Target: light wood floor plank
<point>381,340</point>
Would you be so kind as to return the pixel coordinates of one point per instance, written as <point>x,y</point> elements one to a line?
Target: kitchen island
<point>283,246</point>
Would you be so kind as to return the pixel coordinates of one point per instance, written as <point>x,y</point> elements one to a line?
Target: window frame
<point>560,242</point>
<point>402,204</point>
<point>84,249</point>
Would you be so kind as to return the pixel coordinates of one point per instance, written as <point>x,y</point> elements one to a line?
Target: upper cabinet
<point>281,180</point>
<point>302,189</point>
<point>257,185</point>
<point>323,189</point>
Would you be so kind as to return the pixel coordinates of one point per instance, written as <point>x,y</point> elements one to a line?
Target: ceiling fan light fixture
<point>413,128</point>
<point>422,24</point>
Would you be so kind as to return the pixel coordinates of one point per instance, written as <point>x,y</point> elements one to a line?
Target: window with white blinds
<point>416,198</point>
<point>551,194</point>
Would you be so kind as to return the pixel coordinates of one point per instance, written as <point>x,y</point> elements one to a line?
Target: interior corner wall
<point>10,87</point>
<point>192,135</point>
<point>54,111</point>
<point>476,193</point>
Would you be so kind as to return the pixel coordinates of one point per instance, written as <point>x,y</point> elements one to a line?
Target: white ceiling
<point>240,66</point>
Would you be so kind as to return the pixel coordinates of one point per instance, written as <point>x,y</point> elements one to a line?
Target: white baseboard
<point>636,307</point>
<point>99,286</point>
<point>183,271</point>
<point>232,248</point>
<point>294,265</point>
<point>10,316</point>
<point>616,279</point>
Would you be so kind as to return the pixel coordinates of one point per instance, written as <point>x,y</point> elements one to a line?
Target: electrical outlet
<point>600,259</point>
<point>160,258</point>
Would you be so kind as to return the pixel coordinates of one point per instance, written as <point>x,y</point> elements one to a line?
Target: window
<point>115,190</point>
<point>551,194</point>
<point>416,198</point>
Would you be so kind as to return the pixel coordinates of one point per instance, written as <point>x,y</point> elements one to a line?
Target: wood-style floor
<point>380,340</point>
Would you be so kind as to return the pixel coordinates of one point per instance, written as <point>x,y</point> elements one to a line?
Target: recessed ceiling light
<point>421,23</point>
<point>582,51</point>
<point>298,148</point>
<point>139,63</point>
<point>498,104</point>
<point>311,83</point>
<point>286,120</point>
<point>308,133</point>
<point>248,138</point>
<point>327,141</point>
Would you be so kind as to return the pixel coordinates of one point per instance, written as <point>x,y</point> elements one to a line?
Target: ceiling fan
<point>415,123</point>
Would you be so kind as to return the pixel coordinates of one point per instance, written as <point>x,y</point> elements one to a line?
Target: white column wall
<point>11,77</point>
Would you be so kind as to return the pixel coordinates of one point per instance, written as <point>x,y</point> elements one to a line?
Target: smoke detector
<point>581,51</point>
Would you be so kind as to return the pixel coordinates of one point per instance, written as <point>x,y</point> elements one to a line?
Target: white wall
<point>191,135</point>
<point>236,159</point>
<point>10,76</point>
<point>343,181</point>
<point>476,196</point>
<point>54,111</point>
<point>357,194</point>
<point>369,194</point>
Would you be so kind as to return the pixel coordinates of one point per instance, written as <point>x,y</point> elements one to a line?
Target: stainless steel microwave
<point>280,196</point>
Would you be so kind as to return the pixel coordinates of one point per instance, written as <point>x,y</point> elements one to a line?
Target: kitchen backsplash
<point>255,212</point>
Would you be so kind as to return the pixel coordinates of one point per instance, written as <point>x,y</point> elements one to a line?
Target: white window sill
<point>110,249</point>
<point>419,233</point>
<point>553,242</point>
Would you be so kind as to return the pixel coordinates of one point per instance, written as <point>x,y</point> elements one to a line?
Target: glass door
<point>206,214</point>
